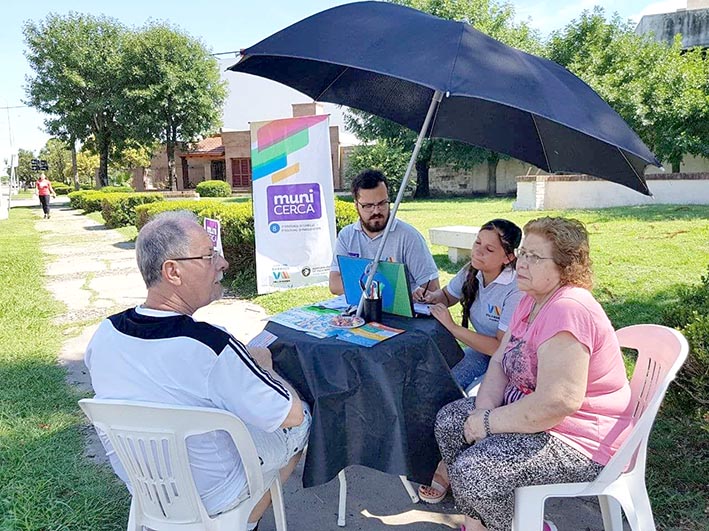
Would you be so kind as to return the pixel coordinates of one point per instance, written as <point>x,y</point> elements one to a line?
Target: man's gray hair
<point>162,238</point>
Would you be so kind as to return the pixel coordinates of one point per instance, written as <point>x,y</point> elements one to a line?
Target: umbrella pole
<point>437,97</point>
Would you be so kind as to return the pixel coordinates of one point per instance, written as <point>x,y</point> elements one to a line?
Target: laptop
<point>392,278</point>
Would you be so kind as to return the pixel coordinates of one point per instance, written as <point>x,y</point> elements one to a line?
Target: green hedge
<point>345,213</point>
<point>62,188</point>
<point>118,209</point>
<point>86,200</point>
<point>214,189</point>
<point>91,200</point>
<point>237,223</point>
<point>144,213</point>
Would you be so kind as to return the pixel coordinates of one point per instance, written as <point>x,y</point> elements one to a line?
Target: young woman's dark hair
<point>510,236</point>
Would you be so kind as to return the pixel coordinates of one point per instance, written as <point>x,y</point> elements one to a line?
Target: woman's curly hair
<point>571,252</point>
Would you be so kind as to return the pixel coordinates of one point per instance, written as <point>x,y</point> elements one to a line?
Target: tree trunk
<point>492,175</point>
<point>423,164</point>
<point>170,148</point>
<point>676,165</point>
<point>422,186</point>
<point>74,167</point>
<point>104,145</point>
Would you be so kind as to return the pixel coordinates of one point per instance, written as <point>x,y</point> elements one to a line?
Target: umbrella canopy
<point>390,60</point>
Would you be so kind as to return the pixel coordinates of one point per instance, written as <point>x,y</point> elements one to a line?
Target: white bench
<point>459,239</point>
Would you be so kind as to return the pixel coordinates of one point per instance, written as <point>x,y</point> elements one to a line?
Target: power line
<point>15,107</point>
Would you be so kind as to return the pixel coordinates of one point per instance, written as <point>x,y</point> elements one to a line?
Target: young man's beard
<point>376,224</point>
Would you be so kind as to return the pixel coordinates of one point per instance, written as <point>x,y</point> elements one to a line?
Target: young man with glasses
<point>361,239</point>
<point>157,352</point>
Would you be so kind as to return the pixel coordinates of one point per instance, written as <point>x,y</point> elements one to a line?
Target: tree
<point>175,93</point>
<point>87,163</point>
<point>77,64</point>
<point>58,158</point>
<point>24,168</point>
<point>496,20</point>
<point>660,90</point>
<point>385,156</point>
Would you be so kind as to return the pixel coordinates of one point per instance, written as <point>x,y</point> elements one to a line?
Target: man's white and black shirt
<point>159,356</point>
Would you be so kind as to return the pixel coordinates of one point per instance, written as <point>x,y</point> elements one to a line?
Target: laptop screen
<point>392,278</point>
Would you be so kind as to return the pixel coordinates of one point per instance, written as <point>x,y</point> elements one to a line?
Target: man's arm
<point>335,283</point>
<point>263,357</point>
<point>419,261</point>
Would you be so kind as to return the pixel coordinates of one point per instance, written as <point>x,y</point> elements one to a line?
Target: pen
<point>425,289</point>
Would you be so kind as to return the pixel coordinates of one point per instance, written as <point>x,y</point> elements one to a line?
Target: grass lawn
<point>45,484</point>
<point>640,253</point>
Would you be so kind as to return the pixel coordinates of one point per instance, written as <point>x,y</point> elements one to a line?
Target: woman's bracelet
<point>486,422</point>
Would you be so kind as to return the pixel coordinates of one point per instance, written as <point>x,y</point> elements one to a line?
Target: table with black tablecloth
<point>372,406</point>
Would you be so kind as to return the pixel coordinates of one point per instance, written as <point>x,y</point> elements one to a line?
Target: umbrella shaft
<point>437,97</point>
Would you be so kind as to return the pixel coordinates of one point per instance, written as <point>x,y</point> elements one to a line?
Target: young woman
<point>487,289</point>
<point>44,190</point>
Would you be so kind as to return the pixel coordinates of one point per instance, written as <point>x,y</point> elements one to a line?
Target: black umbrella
<point>445,79</point>
<point>390,60</point>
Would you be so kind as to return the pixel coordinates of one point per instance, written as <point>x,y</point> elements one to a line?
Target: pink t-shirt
<point>43,187</point>
<point>598,428</point>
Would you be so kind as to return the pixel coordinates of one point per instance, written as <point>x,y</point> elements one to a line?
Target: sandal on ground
<point>433,493</point>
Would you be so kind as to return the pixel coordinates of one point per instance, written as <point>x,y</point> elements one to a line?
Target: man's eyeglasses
<point>371,206</point>
<point>523,254</point>
<point>211,257</point>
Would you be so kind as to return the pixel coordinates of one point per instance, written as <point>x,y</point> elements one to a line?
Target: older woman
<point>552,406</point>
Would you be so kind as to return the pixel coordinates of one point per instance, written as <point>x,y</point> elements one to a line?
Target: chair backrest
<point>149,440</point>
<point>661,353</point>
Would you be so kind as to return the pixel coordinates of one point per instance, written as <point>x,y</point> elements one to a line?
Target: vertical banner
<point>294,204</point>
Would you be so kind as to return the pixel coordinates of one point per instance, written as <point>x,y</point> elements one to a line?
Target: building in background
<point>692,22</point>
<point>227,157</point>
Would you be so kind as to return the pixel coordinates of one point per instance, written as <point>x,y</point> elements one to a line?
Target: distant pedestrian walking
<point>44,190</point>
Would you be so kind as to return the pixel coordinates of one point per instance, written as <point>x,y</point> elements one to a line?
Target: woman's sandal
<point>433,493</point>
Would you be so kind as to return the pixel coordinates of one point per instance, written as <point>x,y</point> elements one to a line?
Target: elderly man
<point>157,352</point>
<point>361,239</point>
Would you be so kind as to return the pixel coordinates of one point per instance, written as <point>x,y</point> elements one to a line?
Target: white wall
<point>546,193</point>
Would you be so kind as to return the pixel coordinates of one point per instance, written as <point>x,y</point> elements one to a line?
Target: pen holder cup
<point>372,310</point>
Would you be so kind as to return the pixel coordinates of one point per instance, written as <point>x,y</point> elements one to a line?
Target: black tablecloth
<point>371,406</point>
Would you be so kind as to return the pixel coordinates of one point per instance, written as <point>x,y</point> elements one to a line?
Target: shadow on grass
<point>95,227</point>
<point>127,245</point>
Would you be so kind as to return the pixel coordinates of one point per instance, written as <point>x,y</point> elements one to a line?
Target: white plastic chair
<point>149,440</point>
<point>661,352</point>
<point>342,506</point>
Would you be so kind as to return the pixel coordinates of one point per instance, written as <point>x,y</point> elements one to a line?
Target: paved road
<point>92,270</point>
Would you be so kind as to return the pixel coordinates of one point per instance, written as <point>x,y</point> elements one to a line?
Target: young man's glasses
<point>531,258</point>
<point>371,206</point>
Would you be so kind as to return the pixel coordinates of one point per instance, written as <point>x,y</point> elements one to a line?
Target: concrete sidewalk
<point>92,270</point>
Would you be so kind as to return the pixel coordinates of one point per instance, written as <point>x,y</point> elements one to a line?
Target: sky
<point>226,26</point>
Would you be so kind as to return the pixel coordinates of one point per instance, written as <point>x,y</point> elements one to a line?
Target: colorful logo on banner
<point>293,202</point>
<point>274,142</point>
